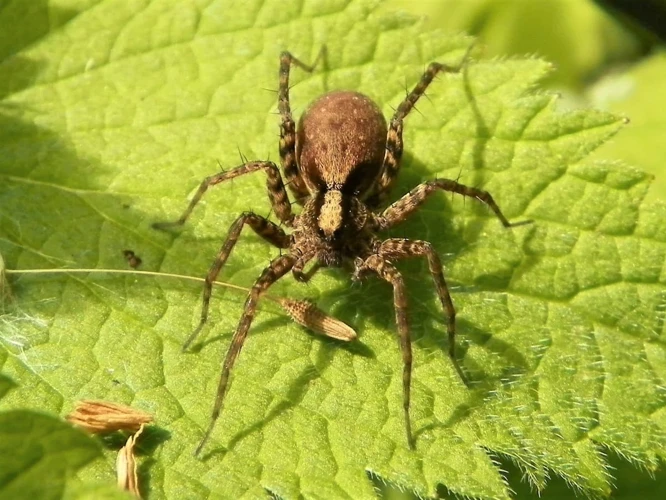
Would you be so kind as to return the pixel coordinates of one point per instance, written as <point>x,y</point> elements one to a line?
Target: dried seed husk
<point>103,416</point>
<point>126,466</point>
<point>310,316</point>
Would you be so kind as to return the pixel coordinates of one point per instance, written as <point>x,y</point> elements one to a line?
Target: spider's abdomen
<point>341,143</point>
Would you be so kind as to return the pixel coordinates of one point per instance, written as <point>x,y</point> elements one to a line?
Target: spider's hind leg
<point>402,209</point>
<point>277,193</point>
<point>287,125</point>
<point>394,144</point>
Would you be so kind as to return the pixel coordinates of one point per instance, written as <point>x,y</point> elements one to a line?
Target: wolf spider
<point>340,165</point>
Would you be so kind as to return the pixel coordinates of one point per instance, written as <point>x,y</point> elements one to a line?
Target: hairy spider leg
<point>277,194</point>
<point>275,270</point>
<point>268,230</point>
<point>396,248</point>
<point>394,144</point>
<point>400,248</point>
<point>386,271</point>
<point>403,208</point>
<point>288,127</point>
<point>305,277</point>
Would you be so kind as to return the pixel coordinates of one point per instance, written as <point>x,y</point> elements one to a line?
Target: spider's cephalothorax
<point>340,165</point>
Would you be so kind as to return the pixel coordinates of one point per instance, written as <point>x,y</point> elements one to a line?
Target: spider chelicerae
<point>340,165</point>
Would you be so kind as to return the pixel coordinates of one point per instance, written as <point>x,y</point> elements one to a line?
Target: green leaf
<point>637,94</point>
<point>579,36</point>
<point>39,452</point>
<point>110,121</point>
<point>85,491</point>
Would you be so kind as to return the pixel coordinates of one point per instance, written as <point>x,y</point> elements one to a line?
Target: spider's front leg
<point>386,271</point>
<point>268,230</point>
<point>275,270</point>
<point>399,248</point>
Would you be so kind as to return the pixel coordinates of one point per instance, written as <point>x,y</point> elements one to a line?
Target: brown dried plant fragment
<point>104,416</point>
<point>126,466</point>
<point>310,316</point>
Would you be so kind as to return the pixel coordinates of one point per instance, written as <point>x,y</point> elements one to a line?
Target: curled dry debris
<point>126,466</point>
<point>103,416</point>
<point>310,316</point>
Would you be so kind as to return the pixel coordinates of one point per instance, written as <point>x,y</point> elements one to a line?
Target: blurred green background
<point>608,54</point>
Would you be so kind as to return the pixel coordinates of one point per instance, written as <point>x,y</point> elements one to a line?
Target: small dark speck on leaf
<point>133,260</point>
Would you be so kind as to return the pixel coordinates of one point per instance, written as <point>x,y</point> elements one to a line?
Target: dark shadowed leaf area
<point>39,453</point>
